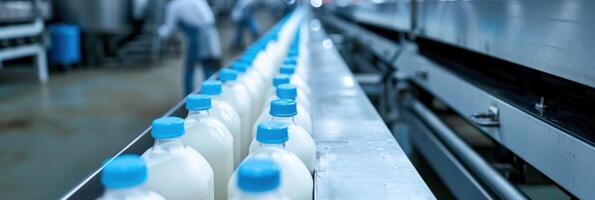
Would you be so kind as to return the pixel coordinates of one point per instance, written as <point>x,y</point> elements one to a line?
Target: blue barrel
<point>65,45</point>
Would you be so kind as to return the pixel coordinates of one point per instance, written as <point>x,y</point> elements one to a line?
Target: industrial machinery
<point>114,29</point>
<point>495,96</point>
<point>21,32</point>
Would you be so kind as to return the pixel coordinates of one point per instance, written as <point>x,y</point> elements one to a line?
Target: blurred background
<point>79,79</point>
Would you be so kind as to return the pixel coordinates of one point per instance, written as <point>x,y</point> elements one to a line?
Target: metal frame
<point>565,159</point>
<point>474,162</point>
<point>37,50</point>
<point>450,170</point>
<point>385,49</point>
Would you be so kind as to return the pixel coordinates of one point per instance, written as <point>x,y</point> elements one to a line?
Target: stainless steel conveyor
<point>358,158</point>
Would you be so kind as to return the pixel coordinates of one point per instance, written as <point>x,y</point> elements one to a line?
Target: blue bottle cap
<point>283,108</point>
<point>281,79</point>
<point>228,74</point>
<point>291,60</point>
<point>167,127</point>
<point>287,69</point>
<point>259,175</point>
<point>124,171</point>
<point>272,133</point>
<point>211,87</point>
<point>287,91</point>
<point>198,102</point>
<point>247,58</point>
<point>241,67</point>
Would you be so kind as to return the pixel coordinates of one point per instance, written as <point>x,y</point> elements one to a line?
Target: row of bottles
<point>246,136</point>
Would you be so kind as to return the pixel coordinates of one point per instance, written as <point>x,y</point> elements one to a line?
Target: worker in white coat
<point>243,15</point>
<point>196,20</point>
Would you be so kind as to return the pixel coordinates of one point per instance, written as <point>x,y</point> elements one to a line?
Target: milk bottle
<point>259,179</point>
<point>262,66</point>
<point>253,89</point>
<point>300,68</point>
<point>289,70</point>
<point>285,109</point>
<point>211,139</point>
<point>285,79</point>
<point>226,114</point>
<point>176,171</point>
<point>277,80</point>
<point>123,176</point>
<point>248,61</point>
<point>296,181</point>
<point>236,95</point>
<point>300,141</point>
<point>289,91</point>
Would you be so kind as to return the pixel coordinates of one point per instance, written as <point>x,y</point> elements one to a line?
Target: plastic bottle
<point>263,67</point>
<point>259,179</point>
<point>252,87</point>
<point>289,70</point>
<point>301,95</point>
<point>280,108</point>
<point>226,114</point>
<point>236,95</point>
<point>211,139</point>
<point>122,178</point>
<point>278,80</point>
<point>300,69</point>
<point>248,60</point>
<point>176,171</point>
<point>300,141</point>
<point>289,91</point>
<point>296,180</point>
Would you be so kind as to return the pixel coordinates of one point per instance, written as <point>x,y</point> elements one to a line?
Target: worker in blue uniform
<point>243,15</point>
<point>195,18</point>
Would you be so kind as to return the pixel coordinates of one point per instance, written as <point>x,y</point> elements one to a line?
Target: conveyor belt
<point>358,158</point>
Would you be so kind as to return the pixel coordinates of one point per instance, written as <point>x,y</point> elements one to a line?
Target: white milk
<point>236,95</point>
<point>263,66</point>
<point>296,180</point>
<point>137,193</point>
<point>248,60</point>
<point>252,89</point>
<point>211,139</point>
<point>289,68</point>
<point>179,172</point>
<point>175,170</point>
<point>122,178</point>
<point>258,196</point>
<point>226,114</point>
<point>259,80</point>
<point>259,179</point>
<point>300,143</point>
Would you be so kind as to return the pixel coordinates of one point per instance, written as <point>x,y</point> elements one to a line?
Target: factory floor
<point>52,135</point>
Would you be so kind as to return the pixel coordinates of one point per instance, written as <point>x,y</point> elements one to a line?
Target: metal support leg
<point>42,65</point>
